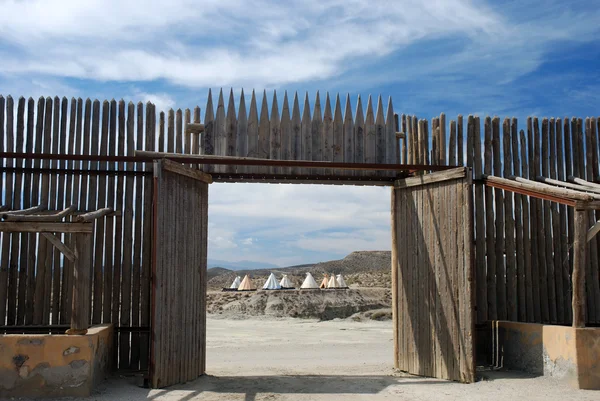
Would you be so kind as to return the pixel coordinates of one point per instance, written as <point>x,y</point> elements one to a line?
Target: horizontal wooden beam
<point>248,161</point>
<point>78,171</point>
<point>591,205</point>
<point>45,227</point>
<point>550,189</point>
<point>54,240</point>
<point>584,182</point>
<point>567,184</point>
<point>38,208</point>
<point>91,216</point>
<point>425,179</point>
<point>179,168</point>
<point>38,217</point>
<point>194,128</point>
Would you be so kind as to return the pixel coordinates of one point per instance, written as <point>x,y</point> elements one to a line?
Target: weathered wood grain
<point>348,135</point>
<point>338,133</point>
<point>274,133</point>
<point>231,131</point>
<point>509,231</point>
<point>370,135</point>
<point>297,127</point>
<point>286,133</point>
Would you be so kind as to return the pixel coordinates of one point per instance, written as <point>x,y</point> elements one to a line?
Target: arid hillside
<point>360,269</point>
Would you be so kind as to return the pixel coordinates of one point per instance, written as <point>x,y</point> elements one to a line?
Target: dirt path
<point>293,359</point>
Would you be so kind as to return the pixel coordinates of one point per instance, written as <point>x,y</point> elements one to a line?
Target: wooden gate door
<point>178,338</point>
<point>432,274</point>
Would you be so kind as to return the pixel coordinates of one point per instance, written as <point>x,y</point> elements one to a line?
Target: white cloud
<point>225,43</point>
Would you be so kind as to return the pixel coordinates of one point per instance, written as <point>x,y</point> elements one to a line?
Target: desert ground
<point>288,359</point>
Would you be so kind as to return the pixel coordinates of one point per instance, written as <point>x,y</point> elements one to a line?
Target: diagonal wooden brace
<point>69,254</point>
<point>593,231</point>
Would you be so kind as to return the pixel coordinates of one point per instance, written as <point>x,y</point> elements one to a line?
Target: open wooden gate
<point>178,342</point>
<point>432,273</point>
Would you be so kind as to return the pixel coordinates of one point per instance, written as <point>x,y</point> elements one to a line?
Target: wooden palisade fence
<point>523,254</point>
<point>523,247</point>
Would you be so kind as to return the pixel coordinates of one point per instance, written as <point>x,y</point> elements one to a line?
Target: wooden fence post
<point>579,265</point>
<point>80,315</point>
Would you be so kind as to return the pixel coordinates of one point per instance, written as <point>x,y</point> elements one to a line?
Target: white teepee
<point>271,283</point>
<point>309,282</point>
<point>285,282</point>
<point>332,282</point>
<point>325,281</point>
<point>341,282</point>
<point>236,283</point>
<point>246,284</point>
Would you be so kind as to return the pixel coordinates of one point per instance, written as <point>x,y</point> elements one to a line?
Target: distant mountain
<point>364,268</point>
<point>241,265</point>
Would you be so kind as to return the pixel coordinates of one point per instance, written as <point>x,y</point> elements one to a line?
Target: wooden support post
<point>80,315</point>
<point>579,265</point>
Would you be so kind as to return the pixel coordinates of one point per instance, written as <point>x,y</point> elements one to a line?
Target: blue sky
<point>506,58</point>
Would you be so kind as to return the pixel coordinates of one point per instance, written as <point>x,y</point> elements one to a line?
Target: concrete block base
<point>559,351</point>
<point>54,365</point>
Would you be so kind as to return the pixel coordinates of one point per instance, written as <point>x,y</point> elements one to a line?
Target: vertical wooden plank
<point>187,145</point>
<point>539,205</point>
<point>409,139</point>
<point>469,293</point>
<point>41,305</point>
<point>88,182</point>
<point>570,215</point>
<point>137,247</point>
<point>595,173</point>
<point>207,144</point>
<point>460,140</point>
<point>109,246</point>
<point>220,132</point>
<point>547,234</point>
<point>480,272</point>
<point>99,271</point>
<point>442,140</point>
<point>490,232</point>
<point>435,146</point>
<point>147,236</point>
<point>525,204</point>
<point>563,265</point>
<point>297,135</point>
<point>349,136</point>
<point>252,132</point>
<point>555,227</point>
<point>27,252</point>
<point>178,131</point>
<point>380,140</point>
<point>128,236</point>
<point>452,144</point>
<point>359,135</point>
<point>59,265</point>
<point>338,134</point>
<point>161,132</point>
<point>13,198</point>
<point>370,135</point>
<point>120,235</point>
<point>242,133</point>
<point>327,135</point>
<point>391,143</point>
<point>275,133</point>
<point>5,244</point>
<point>395,275</point>
<point>81,285</point>
<point>316,133</point>
<point>264,133</point>
<point>499,241</point>
<point>306,132</point>
<point>592,265</point>
<point>20,194</point>
<point>231,131</point>
<point>425,141</point>
<point>519,246</point>
<point>286,132</point>
<point>579,264</point>
<point>509,231</point>
<point>535,244</point>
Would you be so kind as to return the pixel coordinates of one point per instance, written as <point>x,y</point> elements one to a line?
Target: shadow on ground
<point>251,386</point>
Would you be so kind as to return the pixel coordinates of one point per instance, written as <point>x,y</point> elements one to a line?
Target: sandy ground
<point>292,359</point>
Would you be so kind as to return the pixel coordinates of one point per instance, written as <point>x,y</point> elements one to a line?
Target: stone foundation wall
<point>54,365</point>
